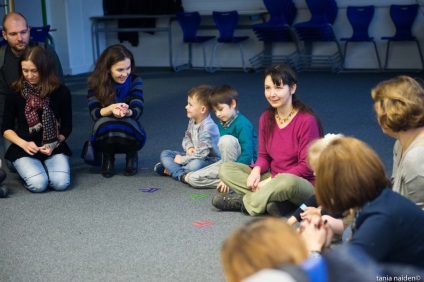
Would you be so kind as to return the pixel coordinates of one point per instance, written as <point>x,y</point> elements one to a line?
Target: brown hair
<point>201,93</point>
<point>100,81</point>
<point>223,94</point>
<point>399,103</point>
<point>284,75</point>
<point>48,80</point>
<point>348,175</point>
<point>261,243</point>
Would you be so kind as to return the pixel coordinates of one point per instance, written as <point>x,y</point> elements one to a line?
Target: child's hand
<point>190,151</point>
<point>309,211</point>
<point>222,187</point>
<point>178,159</point>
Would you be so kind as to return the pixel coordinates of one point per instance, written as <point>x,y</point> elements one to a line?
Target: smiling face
<point>278,96</point>
<point>120,71</point>
<point>30,72</point>
<point>224,112</point>
<point>195,109</point>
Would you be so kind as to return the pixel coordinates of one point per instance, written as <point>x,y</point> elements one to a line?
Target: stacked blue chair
<point>189,23</point>
<point>3,41</point>
<point>226,22</point>
<point>403,17</point>
<point>360,18</point>
<point>319,29</point>
<point>278,29</point>
<point>39,34</point>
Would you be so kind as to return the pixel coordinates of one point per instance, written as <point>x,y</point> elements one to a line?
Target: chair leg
<point>182,66</point>
<point>387,54</point>
<point>341,55</point>
<point>242,58</point>
<point>204,58</point>
<point>421,55</point>
<point>344,57</point>
<point>211,69</point>
<point>174,66</point>
<point>377,55</point>
<point>190,55</point>
<point>419,52</point>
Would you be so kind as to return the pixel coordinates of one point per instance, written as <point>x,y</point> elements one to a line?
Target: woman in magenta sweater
<point>281,177</point>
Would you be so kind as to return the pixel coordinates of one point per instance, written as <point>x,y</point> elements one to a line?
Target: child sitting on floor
<point>200,142</point>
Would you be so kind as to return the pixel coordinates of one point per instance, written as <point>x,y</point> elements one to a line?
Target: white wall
<point>74,43</point>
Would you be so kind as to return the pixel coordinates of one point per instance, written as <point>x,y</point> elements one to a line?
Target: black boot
<point>131,166</point>
<point>280,209</point>
<point>108,162</point>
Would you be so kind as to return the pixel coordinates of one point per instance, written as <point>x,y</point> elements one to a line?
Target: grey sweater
<point>408,171</point>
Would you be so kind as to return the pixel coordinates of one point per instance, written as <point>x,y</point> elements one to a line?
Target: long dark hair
<point>284,75</point>
<point>48,80</point>
<point>100,82</point>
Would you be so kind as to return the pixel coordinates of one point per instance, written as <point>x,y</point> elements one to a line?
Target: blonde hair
<point>317,146</point>
<point>259,244</point>
<point>348,175</point>
<point>399,103</point>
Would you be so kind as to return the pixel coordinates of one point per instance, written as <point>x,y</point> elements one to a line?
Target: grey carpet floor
<point>112,230</point>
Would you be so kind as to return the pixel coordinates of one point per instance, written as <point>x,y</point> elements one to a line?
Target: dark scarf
<point>123,89</point>
<point>48,122</point>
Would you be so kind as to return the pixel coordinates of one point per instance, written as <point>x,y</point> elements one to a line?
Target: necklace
<point>283,120</point>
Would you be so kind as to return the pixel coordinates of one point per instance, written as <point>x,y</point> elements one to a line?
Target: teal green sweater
<point>242,129</point>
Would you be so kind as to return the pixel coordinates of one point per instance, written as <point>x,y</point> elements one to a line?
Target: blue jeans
<point>167,160</point>
<point>54,172</point>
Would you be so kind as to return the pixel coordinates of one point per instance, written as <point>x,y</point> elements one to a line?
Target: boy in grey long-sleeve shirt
<point>200,142</point>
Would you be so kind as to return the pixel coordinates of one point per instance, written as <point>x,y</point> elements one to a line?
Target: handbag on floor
<point>90,155</point>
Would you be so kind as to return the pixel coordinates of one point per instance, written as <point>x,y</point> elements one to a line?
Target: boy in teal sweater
<point>238,141</point>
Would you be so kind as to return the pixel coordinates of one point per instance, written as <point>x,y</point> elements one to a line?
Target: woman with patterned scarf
<point>115,103</point>
<point>37,121</point>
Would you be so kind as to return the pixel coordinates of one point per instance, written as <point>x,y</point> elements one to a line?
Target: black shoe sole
<point>130,173</point>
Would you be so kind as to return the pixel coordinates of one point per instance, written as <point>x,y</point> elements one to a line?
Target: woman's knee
<point>294,186</point>
<point>232,168</point>
<point>60,181</point>
<point>37,183</point>
<point>227,141</point>
<point>229,148</point>
<point>167,154</point>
